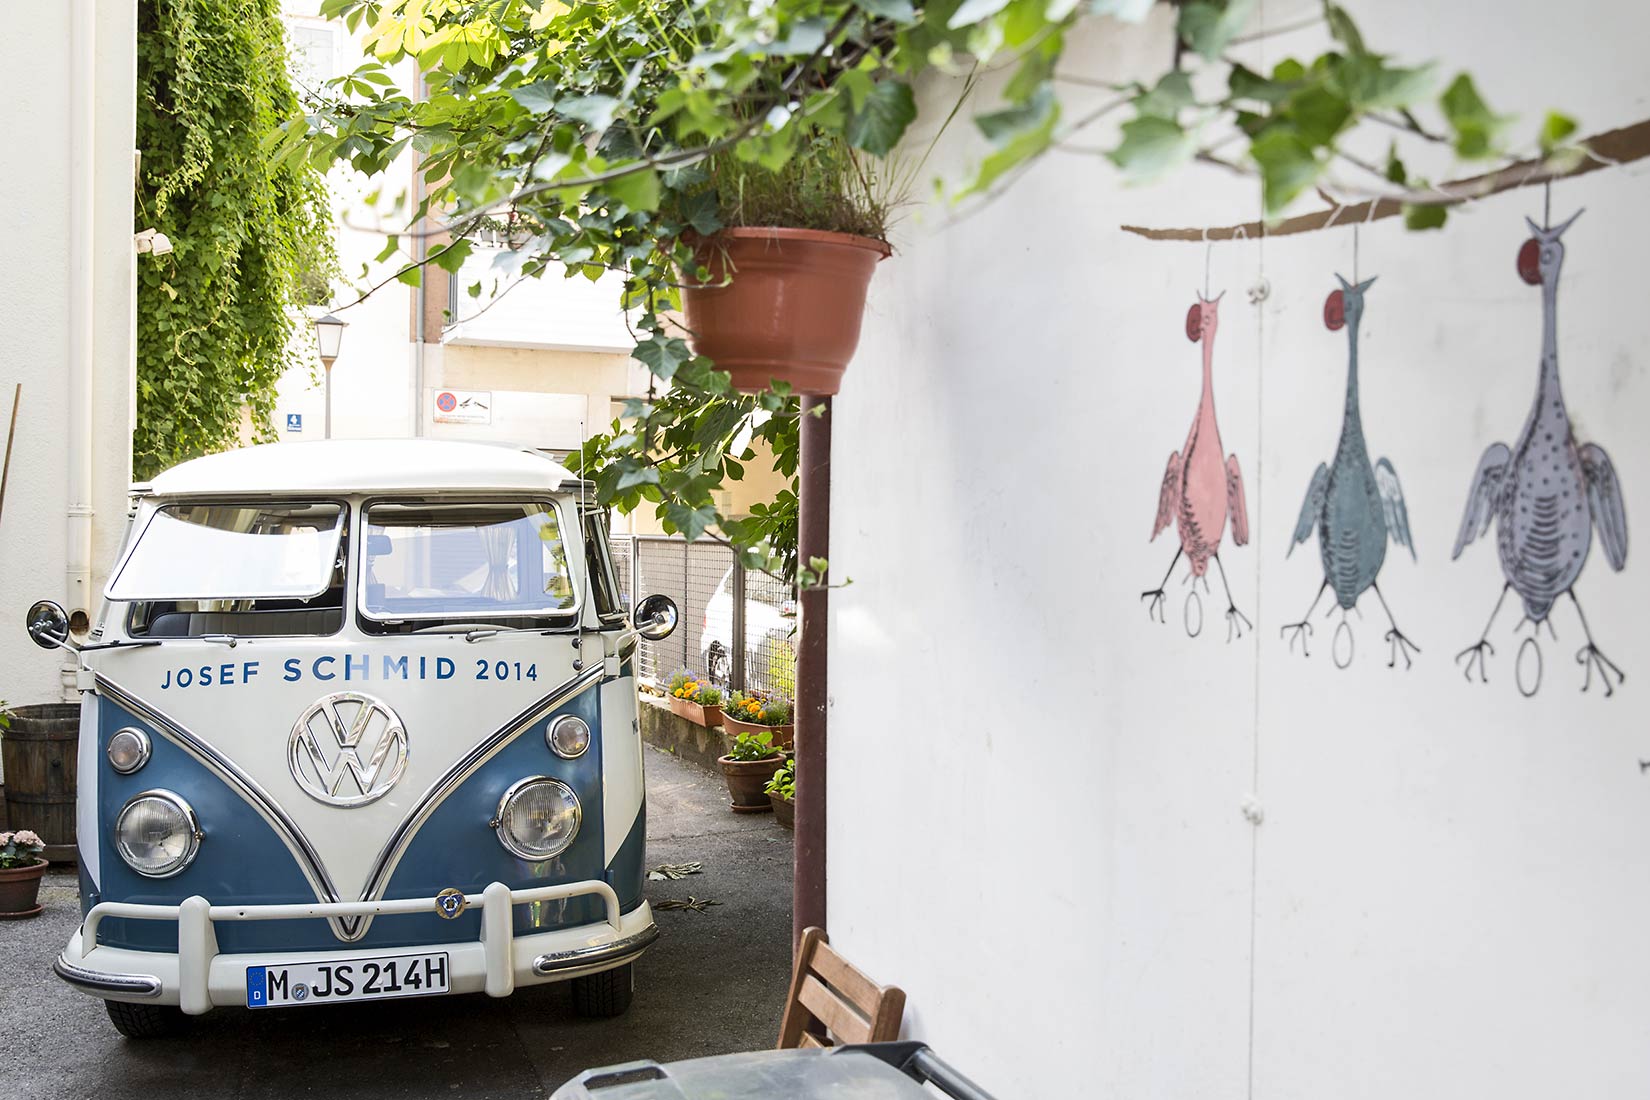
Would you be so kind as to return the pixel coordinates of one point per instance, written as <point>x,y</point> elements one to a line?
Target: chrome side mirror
<point>656,617</point>
<point>48,626</point>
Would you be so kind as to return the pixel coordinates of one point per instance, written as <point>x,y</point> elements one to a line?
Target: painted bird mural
<point>1354,507</point>
<point>1202,486</point>
<point>1546,494</point>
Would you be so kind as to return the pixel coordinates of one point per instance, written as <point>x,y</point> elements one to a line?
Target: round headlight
<point>537,818</point>
<point>157,834</point>
<point>128,750</point>
<point>568,736</point>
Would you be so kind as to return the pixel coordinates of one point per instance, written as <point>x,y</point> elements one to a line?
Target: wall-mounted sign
<point>463,407</point>
<point>294,422</point>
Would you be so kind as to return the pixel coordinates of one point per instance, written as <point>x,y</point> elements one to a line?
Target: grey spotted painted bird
<point>1546,494</point>
<point>1354,507</point>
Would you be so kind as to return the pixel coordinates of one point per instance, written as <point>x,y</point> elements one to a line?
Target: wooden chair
<point>831,1001</point>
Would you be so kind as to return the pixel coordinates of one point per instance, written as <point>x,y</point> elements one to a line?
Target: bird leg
<point>1591,658</point>
<point>1303,629</point>
<point>1156,595</point>
<point>1235,619</point>
<point>1478,654</point>
<point>1395,637</point>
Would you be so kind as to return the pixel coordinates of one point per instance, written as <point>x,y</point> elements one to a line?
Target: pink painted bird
<point>1201,489</point>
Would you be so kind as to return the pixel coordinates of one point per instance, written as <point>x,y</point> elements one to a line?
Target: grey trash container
<point>873,1071</point>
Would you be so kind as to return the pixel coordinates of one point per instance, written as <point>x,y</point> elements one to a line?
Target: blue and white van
<point>358,721</point>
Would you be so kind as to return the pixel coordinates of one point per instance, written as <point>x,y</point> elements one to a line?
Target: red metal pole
<point>813,541</point>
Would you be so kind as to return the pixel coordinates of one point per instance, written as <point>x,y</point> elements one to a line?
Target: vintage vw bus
<point>358,721</point>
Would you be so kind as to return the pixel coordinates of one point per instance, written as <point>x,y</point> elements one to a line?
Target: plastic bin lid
<point>755,1075</point>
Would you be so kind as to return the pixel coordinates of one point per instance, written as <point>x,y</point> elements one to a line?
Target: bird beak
<point>1367,283</point>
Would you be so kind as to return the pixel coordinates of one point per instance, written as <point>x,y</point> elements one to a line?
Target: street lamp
<point>329,334</point>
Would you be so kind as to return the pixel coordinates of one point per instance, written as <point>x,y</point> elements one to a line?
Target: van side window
<point>604,584</point>
<point>250,570</point>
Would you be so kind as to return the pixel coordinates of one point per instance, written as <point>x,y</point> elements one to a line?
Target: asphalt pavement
<point>715,982</point>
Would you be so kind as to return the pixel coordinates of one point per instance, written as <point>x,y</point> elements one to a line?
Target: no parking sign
<point>463,407</point>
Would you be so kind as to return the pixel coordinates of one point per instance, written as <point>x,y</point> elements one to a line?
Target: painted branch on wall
<point>1606,150</point>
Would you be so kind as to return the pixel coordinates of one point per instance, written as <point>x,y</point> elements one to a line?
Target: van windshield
<point>232,552</point>
<point>464,562</point>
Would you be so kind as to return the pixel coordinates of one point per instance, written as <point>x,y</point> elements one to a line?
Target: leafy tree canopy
<point>251,237</point>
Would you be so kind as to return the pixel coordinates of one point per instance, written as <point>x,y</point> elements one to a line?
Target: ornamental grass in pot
<point>755,712</point>
<point>694,698</point>
<point>748,766</point>
<point>21,867</point>
<point>780,290</point>
<point>782,794</point>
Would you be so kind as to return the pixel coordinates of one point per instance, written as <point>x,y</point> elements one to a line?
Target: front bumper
<point>198,978</point>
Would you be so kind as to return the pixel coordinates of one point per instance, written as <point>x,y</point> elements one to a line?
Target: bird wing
<point>1392,505</point>
<point>1235,505</point>
<point>1484,495</point>
<point>1168,497</point>
<point>1311,507</point>
<point>1604,501</point>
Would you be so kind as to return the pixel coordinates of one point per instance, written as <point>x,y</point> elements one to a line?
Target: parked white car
<point>770,623</point>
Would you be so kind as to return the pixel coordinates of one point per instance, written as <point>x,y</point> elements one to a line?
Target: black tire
<point>605,995</point>
<point>137,1021</point>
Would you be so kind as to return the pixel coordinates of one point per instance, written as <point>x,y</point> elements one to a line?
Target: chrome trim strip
<point>618,952</point>
<point>309,861</point>
<point>97,981</point>
<point>467,766</point>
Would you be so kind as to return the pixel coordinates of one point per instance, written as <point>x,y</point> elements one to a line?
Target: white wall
<point>1035,792</point>
<point>36,86</point>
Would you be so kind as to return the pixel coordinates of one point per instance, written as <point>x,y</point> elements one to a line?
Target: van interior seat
<point>185,624</point>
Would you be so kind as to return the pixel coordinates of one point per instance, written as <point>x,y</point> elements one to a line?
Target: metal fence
<point>738,626</point>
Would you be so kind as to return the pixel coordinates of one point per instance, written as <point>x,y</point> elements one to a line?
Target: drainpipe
<point>78,433</point>
<point>813,540</point>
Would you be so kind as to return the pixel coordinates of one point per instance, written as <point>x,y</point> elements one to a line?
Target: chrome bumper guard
<point>198,942</point>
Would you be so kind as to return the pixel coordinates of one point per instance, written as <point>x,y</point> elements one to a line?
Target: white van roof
<point>341,466</point>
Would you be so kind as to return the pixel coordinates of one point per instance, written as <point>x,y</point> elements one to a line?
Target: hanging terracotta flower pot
<point>781,304</point>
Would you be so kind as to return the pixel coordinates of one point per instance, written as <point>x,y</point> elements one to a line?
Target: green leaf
<point>452,257</point>
<point>635,473</point>
<point>1151,147</point>
<point>888,111</point>
<point>638,190</point>
<point>691,522</point>
<point>1555,128</point>
<point>900,11</point>
<point>1017,134</point>
<point>662,354</point>
<point>1395,170</point>
<point>1317,113</point>
<point>1475,127</point>
<point>971,12</point>
<point>538,98</point>
<point>595,111</point>
<point>1424,216</point>
<point>1344,30</point>
<point>1172,95</point>
<point>1245,83</point>
<point>1208,26</point>
<point>1288,166</point>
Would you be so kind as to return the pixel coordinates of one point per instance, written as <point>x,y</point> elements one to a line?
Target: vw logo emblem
<point>450,903</point>
<point>347,749</point>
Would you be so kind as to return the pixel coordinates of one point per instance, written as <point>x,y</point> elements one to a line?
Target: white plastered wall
<point>1036,795</point>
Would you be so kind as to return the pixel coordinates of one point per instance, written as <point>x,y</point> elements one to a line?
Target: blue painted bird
<point>1354,506</point>
<point>1546,493</point>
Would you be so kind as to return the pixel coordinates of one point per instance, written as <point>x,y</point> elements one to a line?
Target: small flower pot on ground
<point>21,868</point>
<point>782,794</point>
<point>749,767</point>
<point>781,304</point>
<point>694,698</point>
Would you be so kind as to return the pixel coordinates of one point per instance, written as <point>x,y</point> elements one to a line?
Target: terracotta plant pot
<point>746,778</point>
<point>693,712</point>
<point>20,890</point>
<point>782,735</point>
<point>781,304</point>
<point>784,811</point>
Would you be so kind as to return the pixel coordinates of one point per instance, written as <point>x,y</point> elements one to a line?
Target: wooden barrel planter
<point>39,754</point>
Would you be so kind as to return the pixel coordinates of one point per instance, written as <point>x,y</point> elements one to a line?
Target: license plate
<point>354,980</point>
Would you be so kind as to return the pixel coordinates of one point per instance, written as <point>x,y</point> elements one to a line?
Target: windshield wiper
<point>120,643</point>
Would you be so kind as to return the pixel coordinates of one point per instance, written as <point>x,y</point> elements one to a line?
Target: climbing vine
<point>251,235</point>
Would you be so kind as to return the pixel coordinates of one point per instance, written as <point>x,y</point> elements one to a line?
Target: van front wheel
<point>606,994</point>
<point>137,1021</point>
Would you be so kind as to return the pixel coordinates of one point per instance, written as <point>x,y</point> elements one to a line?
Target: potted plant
<point>694,698</point>
<point>748,766</point>
<point>21,867</point>
<point>754,712</point>
<point>782,794</point>
<point>780,289</point>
